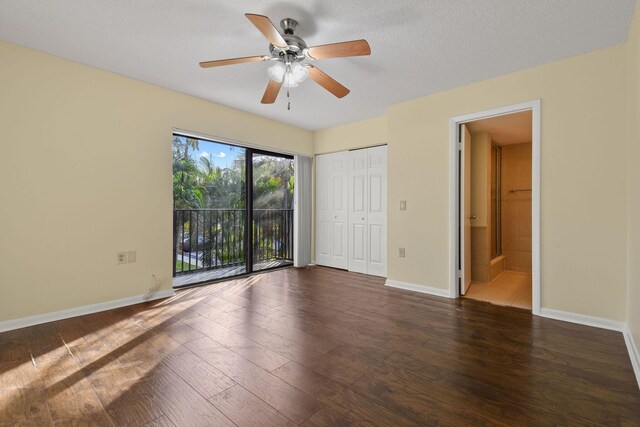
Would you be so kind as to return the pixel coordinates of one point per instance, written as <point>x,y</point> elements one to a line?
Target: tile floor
<point>510,288</point>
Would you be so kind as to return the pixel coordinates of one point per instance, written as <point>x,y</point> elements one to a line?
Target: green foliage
<point>183,266</point>
<point>199,183</point>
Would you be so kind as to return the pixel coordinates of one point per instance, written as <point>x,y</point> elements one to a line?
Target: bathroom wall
<point>516,207</point>
<point>480,150</point>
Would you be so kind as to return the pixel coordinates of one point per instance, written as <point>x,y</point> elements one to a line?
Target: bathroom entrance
<point>495,215</point>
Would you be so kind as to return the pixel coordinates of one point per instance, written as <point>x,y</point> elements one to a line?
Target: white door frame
<point>454,127</point>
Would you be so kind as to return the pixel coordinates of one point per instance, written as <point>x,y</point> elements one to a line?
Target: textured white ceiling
<point>418,46</point>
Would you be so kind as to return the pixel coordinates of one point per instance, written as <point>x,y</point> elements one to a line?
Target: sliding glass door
<point>272,202</point>
<point>220,192</point>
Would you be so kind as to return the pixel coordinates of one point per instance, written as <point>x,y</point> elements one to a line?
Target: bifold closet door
<point>340,210</point>
<point>332,173</point>
<point>368,211</point>
<point>377,211</point>
<point>358,200</point>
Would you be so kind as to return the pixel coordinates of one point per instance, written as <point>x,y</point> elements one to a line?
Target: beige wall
<point>633,158</point>
<point>516,207</point>
<point>365,133</point>
<point>85,167</point>
<point>581,107</point>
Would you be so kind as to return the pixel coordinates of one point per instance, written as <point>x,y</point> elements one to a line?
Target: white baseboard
<point>24,322</point>
<point>634,352</point>
<point>582,319</point>
<point>418,288</point>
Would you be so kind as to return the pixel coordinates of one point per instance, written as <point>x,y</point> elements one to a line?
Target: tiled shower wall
<point>516,207</point>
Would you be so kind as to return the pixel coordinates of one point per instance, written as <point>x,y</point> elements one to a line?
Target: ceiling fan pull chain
<point>288,101</point>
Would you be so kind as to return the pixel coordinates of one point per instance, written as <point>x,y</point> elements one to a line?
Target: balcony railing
<point>208,239</point>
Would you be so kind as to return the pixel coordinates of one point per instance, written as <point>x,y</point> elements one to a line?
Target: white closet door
<point>377,211</point>
<point>340,204</point>
<point>324,211</point>
<point>358,207</point>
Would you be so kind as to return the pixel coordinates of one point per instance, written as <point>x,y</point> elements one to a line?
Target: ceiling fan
<point>289,52</point>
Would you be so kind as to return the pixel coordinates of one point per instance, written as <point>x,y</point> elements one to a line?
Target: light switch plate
<point>401,252</point>
<point>403,205</point>
<point>131,256</point>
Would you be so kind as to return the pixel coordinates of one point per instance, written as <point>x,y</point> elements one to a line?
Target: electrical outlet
<point>401,252</point>
<point>121,257</point>
<point>403,205</point>
<point>131,256</point>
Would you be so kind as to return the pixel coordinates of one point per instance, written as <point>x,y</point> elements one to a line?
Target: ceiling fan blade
<point>327,82</point>
<point>271,93</point>
<point>339,50</point>
<point>267,28</point>
<point>231,61</point>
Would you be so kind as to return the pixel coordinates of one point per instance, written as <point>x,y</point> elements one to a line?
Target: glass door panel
<point>272,199</point>
<point>210,210</point>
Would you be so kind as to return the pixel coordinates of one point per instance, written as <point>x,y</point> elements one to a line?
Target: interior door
<point>324,210</point>
<point>358,236</point>
<point>377,211</point>
<point>340,210</point>
<point>465,209</point>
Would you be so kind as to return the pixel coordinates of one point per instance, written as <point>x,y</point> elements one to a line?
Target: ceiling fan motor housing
<point>295,45</point>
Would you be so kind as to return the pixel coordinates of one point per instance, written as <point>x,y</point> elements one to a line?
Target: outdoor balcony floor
<point>199,276</point>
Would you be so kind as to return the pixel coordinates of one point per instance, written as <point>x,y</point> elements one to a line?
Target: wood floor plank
<point>274,340</point>
<point>304,354</point>
<point>318,343</point>
<point>182,333</point>
<point>246,410</point>
<point>204,378</point>
<point>23,406</point>
<point>163,421</point>
<point>70,398</point>
<point>341,399</point>
<point>14,347</point>
<point>291,402</point>
<point>421,406</point>
<point>179,402</point>
<point>250,350</point>
<point>17,374</point>
<point>326,417</point>
<point>114,385</point>
<point>129,408</point>
<point>45,343</point>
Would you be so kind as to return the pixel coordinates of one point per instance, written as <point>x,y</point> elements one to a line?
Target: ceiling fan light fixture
<point>299,72</point>
<point>277,71</point>
<point>290,75</point>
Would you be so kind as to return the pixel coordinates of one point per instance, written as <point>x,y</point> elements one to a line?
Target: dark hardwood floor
<point>314,347</point>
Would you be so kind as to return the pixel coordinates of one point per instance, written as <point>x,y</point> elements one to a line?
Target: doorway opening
<point>233,210</point>
<point>497,200</point>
